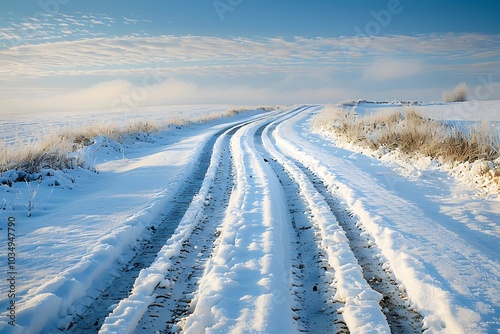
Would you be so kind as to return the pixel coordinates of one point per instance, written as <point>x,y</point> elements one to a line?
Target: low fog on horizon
<point>70,56</point>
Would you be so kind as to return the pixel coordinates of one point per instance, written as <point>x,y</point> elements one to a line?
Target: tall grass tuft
<point>415,136</point>
<point>457,94</point>
<point>53,150</point>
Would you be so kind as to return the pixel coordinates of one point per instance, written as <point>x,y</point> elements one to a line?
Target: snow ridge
<point>362,312</point>
<point>124,318</point>
<point>429,260</point>
<point>246,282</point>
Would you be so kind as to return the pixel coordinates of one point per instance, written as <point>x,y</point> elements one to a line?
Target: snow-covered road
<point>274,229</point>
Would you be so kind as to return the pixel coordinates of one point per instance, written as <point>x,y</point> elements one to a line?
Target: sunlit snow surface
<point>440,238</point>
<point>34,126</point>
<point>438,235</point>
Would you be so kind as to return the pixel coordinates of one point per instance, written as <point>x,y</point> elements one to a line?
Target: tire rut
<point>92,318</point>
<point>313,277</point>
<point>172,303</point>
<point>401,317</point>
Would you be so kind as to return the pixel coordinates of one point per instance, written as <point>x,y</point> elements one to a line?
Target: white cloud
<point>390,69</point>
<point>126,20</point>
<point>210,52</point>
<point>53,26</point>
<point>221,70</point>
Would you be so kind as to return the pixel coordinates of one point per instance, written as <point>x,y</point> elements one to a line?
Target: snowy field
<point>461,115</point>
<point>253,223</point>
<point>29,127</point>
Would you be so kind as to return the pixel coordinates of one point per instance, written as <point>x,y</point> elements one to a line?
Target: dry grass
<point>457,94</point>
<point>416,136</point>
<point>53,150</point>
<point>230,112</point>
<point>236,111</point>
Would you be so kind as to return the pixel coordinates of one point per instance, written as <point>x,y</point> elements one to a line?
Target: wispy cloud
<point>210,53</point>
<point>207,69</point>
<point>126,20</point>
<point>52,26</point>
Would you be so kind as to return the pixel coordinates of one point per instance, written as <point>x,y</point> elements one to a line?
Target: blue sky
<point>75,54</point>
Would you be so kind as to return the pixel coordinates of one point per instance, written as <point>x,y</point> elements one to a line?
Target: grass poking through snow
<point>416,136</point>
<point>53,151</point>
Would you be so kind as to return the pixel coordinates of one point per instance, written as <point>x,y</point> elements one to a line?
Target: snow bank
<point>438,267</point>
<point>477,119</point>
<point>67,287</point>
<point>362,312</point>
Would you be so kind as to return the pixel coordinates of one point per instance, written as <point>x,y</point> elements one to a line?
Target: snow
<point>79,232</point>
<point>33,126</point>
<point>449,271</point>
<point>435,234</point>
<point>362,310</point>
<point>469,111</point>
<point>245,283</point>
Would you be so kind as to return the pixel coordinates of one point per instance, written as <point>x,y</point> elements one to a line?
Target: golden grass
<point>457,94</point>
<point>52,150</point>
<point>416,136</point>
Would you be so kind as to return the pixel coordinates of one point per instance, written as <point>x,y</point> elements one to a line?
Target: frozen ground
<point>250,224</point>
<point>28,127</point>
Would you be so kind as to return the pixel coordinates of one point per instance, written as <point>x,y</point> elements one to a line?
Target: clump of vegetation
<point>457,94</point>
<point>53,151</point>
<point>236,111</point>
<point>416,136</point>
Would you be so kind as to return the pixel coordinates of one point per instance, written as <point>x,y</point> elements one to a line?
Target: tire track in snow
<point>400,316</point>
<point>313,277</point>
<point>92,318</point>
<point>171,304</point>
<point>246,284</point>
<point>361,310</point>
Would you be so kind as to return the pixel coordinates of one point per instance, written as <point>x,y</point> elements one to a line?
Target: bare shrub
<point>457,94</point>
